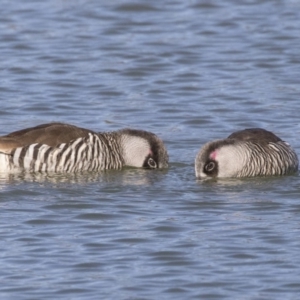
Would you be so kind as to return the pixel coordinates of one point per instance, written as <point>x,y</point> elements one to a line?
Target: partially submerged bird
<point>58,147</point>
<point>246,153</point>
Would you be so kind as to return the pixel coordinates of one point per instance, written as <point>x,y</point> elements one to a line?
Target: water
<point>190,71</point>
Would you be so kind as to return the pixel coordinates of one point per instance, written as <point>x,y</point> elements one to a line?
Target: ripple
<point>190,72</point>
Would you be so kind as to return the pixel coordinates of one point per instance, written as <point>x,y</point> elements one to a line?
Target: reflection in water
<point>190,71</point>
<point>250,190</point>
<point>254,182</point>
<point>127,176</point>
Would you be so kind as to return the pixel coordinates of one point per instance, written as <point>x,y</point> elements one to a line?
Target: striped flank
<point>83,154</point>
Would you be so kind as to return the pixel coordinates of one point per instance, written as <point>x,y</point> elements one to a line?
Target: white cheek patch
<point>136,150</point>
<point>229,160</point>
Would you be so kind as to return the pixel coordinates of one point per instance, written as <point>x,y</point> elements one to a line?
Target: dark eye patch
<point>211,168</point>
<point>150,163</point>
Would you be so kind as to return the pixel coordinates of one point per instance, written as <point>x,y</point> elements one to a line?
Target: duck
<point>60,147</point>
<point>246,153</point>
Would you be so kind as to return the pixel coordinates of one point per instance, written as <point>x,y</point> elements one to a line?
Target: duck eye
<point>152,163</point>
<point>210,166</point>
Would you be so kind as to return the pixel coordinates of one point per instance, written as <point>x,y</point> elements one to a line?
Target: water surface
<point>189,71</point>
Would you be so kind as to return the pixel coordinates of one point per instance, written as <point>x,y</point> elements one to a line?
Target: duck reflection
<point>127,176</point>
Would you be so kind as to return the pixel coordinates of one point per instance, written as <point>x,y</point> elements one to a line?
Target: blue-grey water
<point>190,71</point>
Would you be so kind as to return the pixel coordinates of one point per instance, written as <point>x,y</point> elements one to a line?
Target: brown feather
<point>50,134</point>
<point>255,134</point>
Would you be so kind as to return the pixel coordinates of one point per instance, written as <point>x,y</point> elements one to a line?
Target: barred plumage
<point>246,153</point>
<point>60,147</point>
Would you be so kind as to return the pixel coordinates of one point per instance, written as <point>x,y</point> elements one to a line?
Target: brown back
<point>255,134</point>
<point>50,134</point>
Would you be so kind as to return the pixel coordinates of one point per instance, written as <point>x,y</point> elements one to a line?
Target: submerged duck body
<point>58,147</point>
<point>246,153</point>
